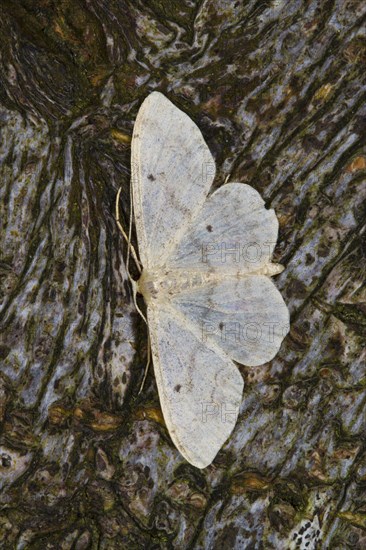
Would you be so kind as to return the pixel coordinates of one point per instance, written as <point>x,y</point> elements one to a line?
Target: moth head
<point>147,286</point>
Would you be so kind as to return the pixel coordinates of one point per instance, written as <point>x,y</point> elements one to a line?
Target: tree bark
<point>278,90</point>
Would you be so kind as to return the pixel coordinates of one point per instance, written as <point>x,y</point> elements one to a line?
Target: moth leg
<point>134,255</point>
<point>127,238</point>
<point>147,363</point>
<point>134,294</point>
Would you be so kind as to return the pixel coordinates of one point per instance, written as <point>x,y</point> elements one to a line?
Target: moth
<point>206,268</point>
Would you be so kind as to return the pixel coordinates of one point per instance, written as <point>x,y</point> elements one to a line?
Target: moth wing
<point>172,170</point>
<point>233,231</point>
<point>200,388</point>
<point>246,317</point>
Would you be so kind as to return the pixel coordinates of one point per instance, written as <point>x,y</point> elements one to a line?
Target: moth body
<point>164,283</point>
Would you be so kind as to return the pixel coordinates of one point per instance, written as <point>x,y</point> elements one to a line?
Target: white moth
<point>205,279</point>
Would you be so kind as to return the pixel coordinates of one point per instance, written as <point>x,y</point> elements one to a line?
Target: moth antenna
<point>134,255</point>
<point>147,364</point>
<point>130,247</point>
<point>134,287</point>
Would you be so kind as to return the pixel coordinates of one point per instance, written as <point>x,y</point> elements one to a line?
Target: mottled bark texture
<point>278,89</point>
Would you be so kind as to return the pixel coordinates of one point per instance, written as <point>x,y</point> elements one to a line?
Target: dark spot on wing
<point>209,228</point>
<point>151,177</point>
<point>221,326</point>
<point>177,387</point>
